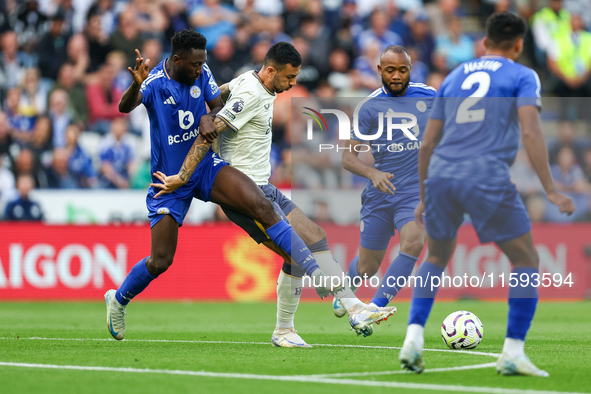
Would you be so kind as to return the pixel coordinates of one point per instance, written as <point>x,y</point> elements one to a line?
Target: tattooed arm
<point>225,92</point>
<point>196,154</point>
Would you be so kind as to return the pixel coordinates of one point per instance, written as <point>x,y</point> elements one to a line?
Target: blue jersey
<point>175,110</point>
<point>398,155</point>
<point>478,103</point>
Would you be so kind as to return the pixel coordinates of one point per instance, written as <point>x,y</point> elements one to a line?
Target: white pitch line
<point>301,379</point>
<point>400,372</point>
<point>475,353</point>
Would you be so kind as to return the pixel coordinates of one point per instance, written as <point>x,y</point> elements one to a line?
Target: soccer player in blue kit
<point>175,94</point>
<point>471,139</point>
<point>391,196</point>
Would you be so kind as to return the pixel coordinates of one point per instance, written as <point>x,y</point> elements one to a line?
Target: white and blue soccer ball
<point>462,330</point>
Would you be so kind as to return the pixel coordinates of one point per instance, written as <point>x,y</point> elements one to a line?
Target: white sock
<point>329,265</point>
<point>414,333</point>
<point>289,291</point>
<point>513,347</point>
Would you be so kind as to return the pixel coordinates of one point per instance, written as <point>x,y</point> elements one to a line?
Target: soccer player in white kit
<point>248,114</point>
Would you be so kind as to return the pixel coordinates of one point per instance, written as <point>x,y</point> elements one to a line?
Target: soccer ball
<point>462,330</point>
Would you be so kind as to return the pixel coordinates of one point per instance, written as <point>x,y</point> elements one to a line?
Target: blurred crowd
<point>63,68</point>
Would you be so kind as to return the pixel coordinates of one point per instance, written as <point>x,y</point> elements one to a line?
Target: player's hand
<point>381,181</point>
<point>168,185</point>
<point>563,202</point>
<point>207,128</point>
<point>419,210</point>
<point>141,70</point>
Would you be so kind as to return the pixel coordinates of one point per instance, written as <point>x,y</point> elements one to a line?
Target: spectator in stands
<point>366,66</point>
<point>568,175</point>
<point>523,176</point>
<point>547,24</point>
<point>214,20</point>
<point>122,79</point>
<point>419,36</point>
<point>12,62</point>
<point>435,79</point>
<point>25,165</point>
<point>339,63</point>
<point>570,61</point>
<point>420,71</point>
<point>274,30</point>
<point>51,52</point>
<point>33,100</point>
<point>79,162</point>
<point>292,14</point>
<point>441,11</point>
<point>102,99</point>
<point>378,30</point>
<point>78,56</point>
<point>60,116</point>
<point>222,62</point>
<point>536,208</point>
<point>152,49</point>
<point>318,37</point>
<point>7,191</point>
<point>177,18</point>
<point>127,38</point>
<point>98,42</point>
<point>566,137</point>
<point>29,25</point>
<point>455,46</point>
<point>59,175</point>
<point>116,154</point>
<point>105,9</point>
<point>21,124</point>
<point>150,19</point>
<point>6,141</point>
<point>76,93</point>
<point>587,163</point>
<point>23,208</point>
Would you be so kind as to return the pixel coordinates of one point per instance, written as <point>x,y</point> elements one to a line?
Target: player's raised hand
<point>141,70</point>
<point>381,181</point>
<point>419,210</point>
<point>168,185</point>
<point>563,202</point>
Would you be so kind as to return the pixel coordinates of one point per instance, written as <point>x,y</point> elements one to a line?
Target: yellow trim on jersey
<point>261,81</point>
<point>260,226</point>
<point>227,122</point>
<point>324,251</point>
<point>164,68</point>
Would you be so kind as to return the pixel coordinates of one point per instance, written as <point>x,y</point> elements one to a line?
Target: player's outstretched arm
<point>225,92</point>
<point>132,97</point>
<point>431,138</point>
<point>535,145</point>
<point>352,163</point>
<point>196,154</point>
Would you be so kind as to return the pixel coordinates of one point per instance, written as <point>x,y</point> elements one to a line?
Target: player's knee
<point>367,266</point>
<point>265,212</point>
<point>413,247</point>
<point>159,263</point>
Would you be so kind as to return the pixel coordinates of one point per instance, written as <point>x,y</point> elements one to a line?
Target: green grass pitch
<point>183,337</point>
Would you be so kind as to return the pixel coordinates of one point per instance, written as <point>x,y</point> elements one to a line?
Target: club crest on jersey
<point>421,106</point>
<point>195,91</point>
<point>238,106</point>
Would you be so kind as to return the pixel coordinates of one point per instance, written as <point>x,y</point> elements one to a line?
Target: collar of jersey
<point>389,95</point>
<point>164,68</point>
<point>256,74</point>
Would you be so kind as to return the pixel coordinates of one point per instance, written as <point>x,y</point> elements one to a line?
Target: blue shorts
<point>178,202</point>
<point>283,206</point>
<point>496,210</point>
<point>382,214</point>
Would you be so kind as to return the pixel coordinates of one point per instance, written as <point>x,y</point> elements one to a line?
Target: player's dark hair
<point>395,49</point>
<point>281,54</point>
<point>186,40</point>
<point>503,29</point>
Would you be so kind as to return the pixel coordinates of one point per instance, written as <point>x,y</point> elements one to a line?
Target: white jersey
<point>249,115</point>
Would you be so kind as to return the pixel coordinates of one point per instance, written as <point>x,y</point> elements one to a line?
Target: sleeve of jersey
<point>146,90</point>
<point>211,89</point>
<point>528,90</point>
<point>241,107</point>
<point>363,118</point>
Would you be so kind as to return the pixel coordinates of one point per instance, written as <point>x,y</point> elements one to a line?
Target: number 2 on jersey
<point>465,114</point>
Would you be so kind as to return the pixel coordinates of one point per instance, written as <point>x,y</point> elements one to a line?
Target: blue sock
<point>352,272</point>
<point>284,236</point>
<point>423,296</point>
<point>137,280</point>
<point>401,267</point>
<point>522,304</point>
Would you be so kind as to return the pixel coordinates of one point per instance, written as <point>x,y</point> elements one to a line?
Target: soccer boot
<point>287,337</point>
<point>410,358</point>
<point>338,308</point>
<point>362,319</point>
<point>520,365</point>
<point>115,315</point>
